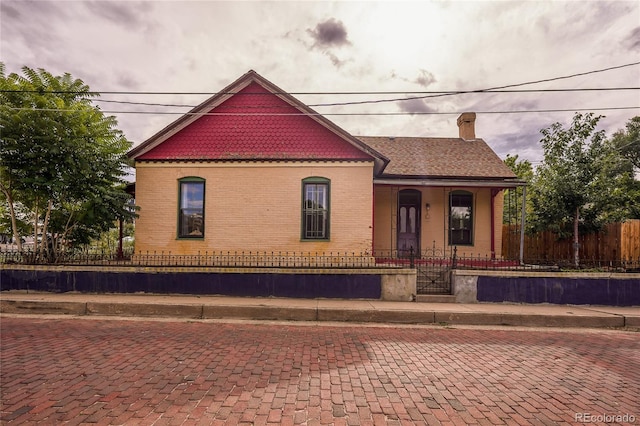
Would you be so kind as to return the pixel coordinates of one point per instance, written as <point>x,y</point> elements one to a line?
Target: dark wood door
<point>409,201</point>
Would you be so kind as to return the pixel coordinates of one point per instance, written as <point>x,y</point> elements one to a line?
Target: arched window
<point>315,208</point>
<point>191,207</point>
<point>460,218</point>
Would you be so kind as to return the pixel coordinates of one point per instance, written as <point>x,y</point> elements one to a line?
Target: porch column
<point>524,204</point>
<point>494,192</point>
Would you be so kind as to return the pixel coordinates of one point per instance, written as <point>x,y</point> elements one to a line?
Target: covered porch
<point>430,217</point>
<point>435,223</point>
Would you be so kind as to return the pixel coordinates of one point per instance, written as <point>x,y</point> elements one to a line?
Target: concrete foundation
<point>399,286</point>
<point>465,288</point>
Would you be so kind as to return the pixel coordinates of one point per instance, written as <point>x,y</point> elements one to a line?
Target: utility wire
<point>497,89</point>
<point>490,89</point>
<point>593,89</point>
<point>443,93</point>
<point>261,114</point>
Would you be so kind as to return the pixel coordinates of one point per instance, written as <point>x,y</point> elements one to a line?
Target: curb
<point>278,313</point>
<point>524,320</point>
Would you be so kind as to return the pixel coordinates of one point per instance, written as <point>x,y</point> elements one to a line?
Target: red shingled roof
<point>254,124</point>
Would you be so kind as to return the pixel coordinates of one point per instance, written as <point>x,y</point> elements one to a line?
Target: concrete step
<point>435,298</point>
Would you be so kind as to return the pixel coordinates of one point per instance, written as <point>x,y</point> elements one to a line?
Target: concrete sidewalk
<point>370,311</point>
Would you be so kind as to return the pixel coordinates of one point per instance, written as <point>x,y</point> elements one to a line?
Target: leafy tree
<point>627,143</point>
<point>22,221</point>
<point>60,157</point>
<point>108,241</point>
<point>617,193</point>
<point>583,182</point>
<point>523,169</point>
<point>619,175</point>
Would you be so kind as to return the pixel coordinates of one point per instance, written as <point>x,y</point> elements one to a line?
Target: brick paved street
<point>78,371</point>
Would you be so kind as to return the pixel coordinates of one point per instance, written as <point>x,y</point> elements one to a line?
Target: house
<point>252,169</point>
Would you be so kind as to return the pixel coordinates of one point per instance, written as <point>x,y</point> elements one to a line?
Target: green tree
<point>583,181</point>
<point>60,157</point>
<point>627,142</point>
<point>512,211</point>
<point>21,219</point>
<point>619,175</point>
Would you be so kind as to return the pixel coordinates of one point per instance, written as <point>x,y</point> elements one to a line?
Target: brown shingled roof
<point>439,157</point>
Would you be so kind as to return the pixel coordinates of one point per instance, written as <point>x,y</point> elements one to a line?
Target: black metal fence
<point>437,259</point>
<point>249,259</point>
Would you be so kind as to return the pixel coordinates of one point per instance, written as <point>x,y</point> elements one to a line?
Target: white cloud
<point>201,46</point>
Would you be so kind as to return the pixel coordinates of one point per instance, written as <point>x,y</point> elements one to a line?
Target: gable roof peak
<point>282,127</point>
<point>250,73</point>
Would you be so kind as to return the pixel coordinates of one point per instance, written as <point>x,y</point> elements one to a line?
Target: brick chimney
<point>467,125</point>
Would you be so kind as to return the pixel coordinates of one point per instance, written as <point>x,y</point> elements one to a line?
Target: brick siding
<point>253,206</point>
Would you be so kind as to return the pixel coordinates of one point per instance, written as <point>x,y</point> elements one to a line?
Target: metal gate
<point>433,278</point>
<point>433,268</point>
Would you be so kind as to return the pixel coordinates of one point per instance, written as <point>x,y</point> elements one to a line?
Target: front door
<point>409,201</point>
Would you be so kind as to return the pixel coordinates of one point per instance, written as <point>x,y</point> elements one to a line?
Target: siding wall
<point>253,206</point>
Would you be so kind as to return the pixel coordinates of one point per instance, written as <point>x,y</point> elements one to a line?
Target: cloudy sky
<point>408,49</point>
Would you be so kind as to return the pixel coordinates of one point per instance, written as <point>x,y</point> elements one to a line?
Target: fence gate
<point>433,278</point>
<point>433,270</point>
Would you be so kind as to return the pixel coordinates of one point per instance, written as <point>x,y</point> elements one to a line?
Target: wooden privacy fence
<point>616,242</point>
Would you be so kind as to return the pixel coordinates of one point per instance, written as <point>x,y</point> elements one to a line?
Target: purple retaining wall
<point>296,285</point>
<point>560,290</point>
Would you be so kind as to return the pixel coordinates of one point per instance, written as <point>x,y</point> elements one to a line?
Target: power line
<point>491,89</point>
<point>261,114</point>
<point>567,76</point>
<point>593,89</point>
<point>439,93</point>
<point>425,95</point>
<point>379,92</point>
